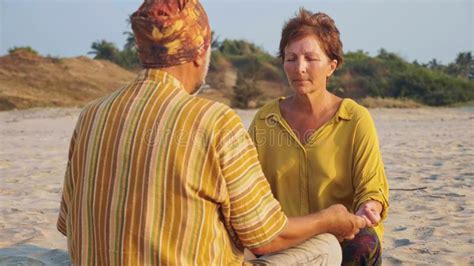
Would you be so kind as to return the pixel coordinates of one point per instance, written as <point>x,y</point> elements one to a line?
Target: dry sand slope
<point>432,148</point>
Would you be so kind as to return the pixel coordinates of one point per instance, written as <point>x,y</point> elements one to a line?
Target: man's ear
<point>200,59</point>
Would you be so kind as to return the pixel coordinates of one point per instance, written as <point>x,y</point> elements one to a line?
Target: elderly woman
<point>317,149</point>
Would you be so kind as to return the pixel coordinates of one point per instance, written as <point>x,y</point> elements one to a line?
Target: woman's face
<point>307,66</point>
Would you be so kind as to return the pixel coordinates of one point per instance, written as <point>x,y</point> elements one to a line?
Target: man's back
<point>153,177</point>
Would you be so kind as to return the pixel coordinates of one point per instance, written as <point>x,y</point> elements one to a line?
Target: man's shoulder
<point>211,112</point>
<point>211,106</point>
<point>105,98</point>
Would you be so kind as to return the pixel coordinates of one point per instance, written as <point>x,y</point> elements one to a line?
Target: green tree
<point>23,48</point>
<point>104,50</point>
<point>215,43</point>
<point>245,91</point>
<point>462,66</point>
<point>435,65</point>
<point>129,41</point>
<point>128,58</point>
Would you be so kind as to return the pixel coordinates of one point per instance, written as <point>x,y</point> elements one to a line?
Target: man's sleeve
<point>67,190</point>
<point>370,181</point>
<point>250,210</point>
<point>252,130</point>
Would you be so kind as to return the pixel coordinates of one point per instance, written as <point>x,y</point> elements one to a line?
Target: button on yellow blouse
<point>340,163</point>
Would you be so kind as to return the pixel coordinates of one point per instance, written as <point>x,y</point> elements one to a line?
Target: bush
<point>21,49</point>
<point>245,91</point>
<point>388,75</point>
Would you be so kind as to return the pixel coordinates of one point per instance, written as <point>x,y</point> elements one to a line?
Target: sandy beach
<point>428,154</point>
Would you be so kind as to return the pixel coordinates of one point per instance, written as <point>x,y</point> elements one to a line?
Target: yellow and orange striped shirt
<point>157,176</point>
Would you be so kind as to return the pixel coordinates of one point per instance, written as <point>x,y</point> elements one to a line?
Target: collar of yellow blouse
<point>275,114</point>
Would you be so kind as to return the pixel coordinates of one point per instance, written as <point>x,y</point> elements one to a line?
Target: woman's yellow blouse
<point>340,163</point>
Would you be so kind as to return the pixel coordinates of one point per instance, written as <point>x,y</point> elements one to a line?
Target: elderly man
<point>158,176</point>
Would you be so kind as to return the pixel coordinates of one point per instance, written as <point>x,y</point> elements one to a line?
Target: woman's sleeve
<point>369,179</point>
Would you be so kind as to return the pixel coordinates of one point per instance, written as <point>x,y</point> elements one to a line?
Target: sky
<point>416,30</point>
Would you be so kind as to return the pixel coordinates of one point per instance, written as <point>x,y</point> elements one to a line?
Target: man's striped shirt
<point>157,176</point>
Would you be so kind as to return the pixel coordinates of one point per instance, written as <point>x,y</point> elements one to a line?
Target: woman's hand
<point>341,223</point>
<point>370,211</point>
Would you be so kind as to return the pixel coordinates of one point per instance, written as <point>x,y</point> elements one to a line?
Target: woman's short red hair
<point>320,25</point>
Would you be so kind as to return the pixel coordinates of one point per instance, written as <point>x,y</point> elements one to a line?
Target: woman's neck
<point>313,103</point>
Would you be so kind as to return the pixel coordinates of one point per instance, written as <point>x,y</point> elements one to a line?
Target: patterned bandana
<point>170,33</point>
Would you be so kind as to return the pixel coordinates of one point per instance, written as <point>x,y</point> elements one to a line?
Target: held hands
<point>343,224</point>
<point>370,211</point>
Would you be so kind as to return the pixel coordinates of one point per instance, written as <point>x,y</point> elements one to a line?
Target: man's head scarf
<point>170,33</point>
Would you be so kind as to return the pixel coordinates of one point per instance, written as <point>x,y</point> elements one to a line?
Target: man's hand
<point>335,220</point>
<point>370,211</point>
<point>341,223</point>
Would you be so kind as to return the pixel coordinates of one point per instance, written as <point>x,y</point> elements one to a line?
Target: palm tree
<point>215,43</point>
<point>434,64</point>
<point>104,50</point>
<point>130,41</point>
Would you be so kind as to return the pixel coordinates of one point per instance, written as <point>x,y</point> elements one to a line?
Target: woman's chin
<point>302,90</point>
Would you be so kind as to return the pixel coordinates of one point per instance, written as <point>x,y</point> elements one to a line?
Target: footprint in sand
<point>10,211</point>
<point>11,236</point>
<point>392,261</point>
<point>433,177</point>
<point>55,190</point>
<point>402,242</point>
<point>399,228</point>
<point>400,178</point>
<point>20,261</point>
<point>424,233</point>
<point>425,251</point>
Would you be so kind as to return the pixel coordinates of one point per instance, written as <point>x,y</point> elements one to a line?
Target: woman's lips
<point>300,80</point>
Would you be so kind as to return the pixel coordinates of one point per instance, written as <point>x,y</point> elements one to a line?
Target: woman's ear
<point>332,67</point>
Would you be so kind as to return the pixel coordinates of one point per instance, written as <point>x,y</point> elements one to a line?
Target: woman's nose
<point>301,66</point>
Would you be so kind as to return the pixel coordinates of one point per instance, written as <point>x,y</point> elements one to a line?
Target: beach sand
<point>428,154</point>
